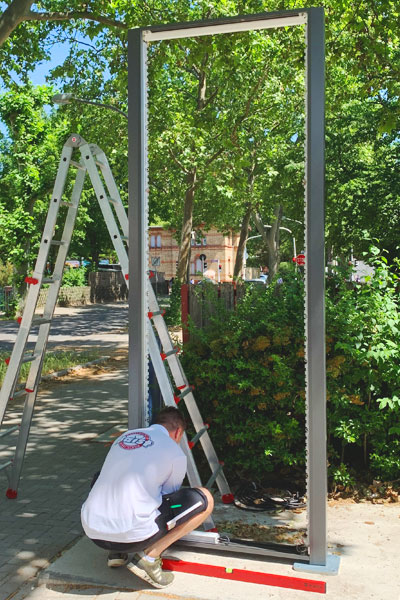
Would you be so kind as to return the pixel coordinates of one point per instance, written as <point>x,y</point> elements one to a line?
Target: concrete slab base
<point>331,567</point>
<point>86,564</point>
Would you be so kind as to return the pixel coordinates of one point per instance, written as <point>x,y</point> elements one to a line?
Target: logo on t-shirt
<point>135,439</point>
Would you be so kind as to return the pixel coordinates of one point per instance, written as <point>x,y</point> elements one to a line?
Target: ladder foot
<point>11,494</point>
<point>227,498</point>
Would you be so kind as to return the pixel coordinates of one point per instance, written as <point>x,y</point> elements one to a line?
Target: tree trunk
<point>14,14</point>
<point>185,245</point>
<point>274,242</point>
<point>244,232</point>
<point>271,238</point>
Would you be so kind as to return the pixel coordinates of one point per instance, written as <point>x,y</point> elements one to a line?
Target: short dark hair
<point>171,418</point>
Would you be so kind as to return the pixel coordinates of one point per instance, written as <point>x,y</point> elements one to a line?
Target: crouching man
<point>136,504</point>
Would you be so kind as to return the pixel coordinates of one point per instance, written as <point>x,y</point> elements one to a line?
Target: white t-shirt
<point>141,466</point>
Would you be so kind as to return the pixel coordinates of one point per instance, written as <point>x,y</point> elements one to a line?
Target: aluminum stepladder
<point>93,158</point>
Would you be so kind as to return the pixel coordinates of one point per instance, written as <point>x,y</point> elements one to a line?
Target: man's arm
<point>177,475</point>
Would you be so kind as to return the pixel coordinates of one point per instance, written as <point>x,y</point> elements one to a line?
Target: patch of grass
<point>53,361</point>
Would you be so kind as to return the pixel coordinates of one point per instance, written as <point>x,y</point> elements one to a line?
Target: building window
<point>199,265</point>
<point>192,269</point>
<point>155,241</point>
<point>204,241</point>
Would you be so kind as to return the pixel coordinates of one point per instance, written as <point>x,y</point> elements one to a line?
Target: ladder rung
<point>28,358</point>
<point>57,243</point>
<point>40,320</point>
<point>165,355</point>
<point>77,165</point>
<point>22,392</point>
<point>155,313</point>
<point>69,204</point>
<point>198,435</point>
<point>178,397</point>
<point>7,431</point>
<point>50,279</point>
<point>125,238</point>
<point>114,201</point>
<point>214,476</point>
<point>100,164</point>
<point>5,465</point>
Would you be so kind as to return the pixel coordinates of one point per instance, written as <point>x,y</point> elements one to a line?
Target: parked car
<point>258,280</point>
<point>72,264</point>
<point>108,267</point>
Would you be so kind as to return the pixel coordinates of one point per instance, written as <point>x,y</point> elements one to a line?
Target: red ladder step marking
<point>227,498</point>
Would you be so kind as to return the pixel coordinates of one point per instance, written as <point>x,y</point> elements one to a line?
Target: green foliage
<point>239,142</point>
<point>29,160</point>
<point>363,179</point>
<point>363,367</point>
<point>6,273</point>
<point>173,314</point>
<point>340,476</point>
<point>248,369</point>
<point>74,277</point>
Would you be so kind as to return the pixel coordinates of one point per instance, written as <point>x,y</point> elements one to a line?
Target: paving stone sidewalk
<point>60,461</point>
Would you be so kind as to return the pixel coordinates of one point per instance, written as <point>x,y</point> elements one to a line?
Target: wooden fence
<point>200,301</point>
<point>110,286</point>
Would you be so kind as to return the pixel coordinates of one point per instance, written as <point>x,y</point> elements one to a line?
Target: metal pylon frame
<point>139,40</point>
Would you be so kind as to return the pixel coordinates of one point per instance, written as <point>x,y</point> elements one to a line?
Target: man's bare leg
<point>175,534</point>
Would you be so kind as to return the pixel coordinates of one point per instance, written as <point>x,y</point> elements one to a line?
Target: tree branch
<point>248,104</point>
<point>211,97</point>
<point>14,14</point>
<point>70,15</point>
<point>19,11</point>
<point>214,156</point>
<point>177,161</point>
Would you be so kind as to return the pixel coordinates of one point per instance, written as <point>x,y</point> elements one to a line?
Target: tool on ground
<point>233,574</point>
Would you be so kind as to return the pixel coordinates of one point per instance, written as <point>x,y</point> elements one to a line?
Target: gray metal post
<point>315,288</point>
<point>137,123</point>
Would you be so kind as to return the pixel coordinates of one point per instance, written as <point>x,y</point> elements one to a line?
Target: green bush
<point>286,267</point>
<point>74,277</point>
<point>6,274</point>
<point>173,314</point>
<point>363,371</point>
<point>248,369</point>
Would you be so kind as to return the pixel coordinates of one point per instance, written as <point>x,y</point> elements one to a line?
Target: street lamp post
<point>253,237</point>
<point>70,99</point>
<point>294,220</point>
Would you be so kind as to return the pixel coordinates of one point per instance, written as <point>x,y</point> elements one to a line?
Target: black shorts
<point>175,509</point>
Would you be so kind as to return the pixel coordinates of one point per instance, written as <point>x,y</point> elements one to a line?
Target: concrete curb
<point>55,578</point>
<point>63,372</point>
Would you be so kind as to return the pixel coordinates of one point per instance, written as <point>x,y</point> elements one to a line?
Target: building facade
<point>212,256</point>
